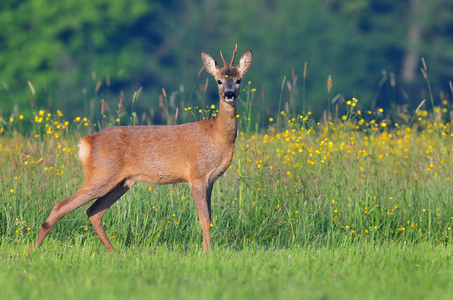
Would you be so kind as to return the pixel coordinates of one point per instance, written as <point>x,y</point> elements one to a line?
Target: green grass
<point>350,271</point>
<point>358,208</point>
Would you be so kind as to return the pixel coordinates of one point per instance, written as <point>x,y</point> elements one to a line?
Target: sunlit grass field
<point>355,206</point>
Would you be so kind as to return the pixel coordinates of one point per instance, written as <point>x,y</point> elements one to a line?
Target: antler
<point>232,59</point>
<point>223,59</point>
<point>234,55</point>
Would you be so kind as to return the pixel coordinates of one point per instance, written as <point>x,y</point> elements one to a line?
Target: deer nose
<point>229,94</point>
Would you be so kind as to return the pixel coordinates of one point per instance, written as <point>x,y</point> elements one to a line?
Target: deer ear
<point>245,62</point>
<point>209,63</point>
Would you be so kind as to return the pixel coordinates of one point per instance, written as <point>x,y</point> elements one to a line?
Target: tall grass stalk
<point>192,92</point>
<point>451,87</point>
<point>247,107</point>
<point>415,113</point>
<point>424,71</point>
<point>304,105</point>
<point>135,96</point>
<point>280,102</point>
<point>166,106</point>
<point>329,102</point>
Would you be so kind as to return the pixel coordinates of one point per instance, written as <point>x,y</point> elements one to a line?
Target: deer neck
<point>226,123</point>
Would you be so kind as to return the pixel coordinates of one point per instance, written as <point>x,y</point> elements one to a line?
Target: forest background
<point>71,54</point>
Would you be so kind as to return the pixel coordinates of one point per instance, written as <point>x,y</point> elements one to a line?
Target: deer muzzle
<point>229,95</point>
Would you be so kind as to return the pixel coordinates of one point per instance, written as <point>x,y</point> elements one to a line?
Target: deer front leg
<point>201,192</point>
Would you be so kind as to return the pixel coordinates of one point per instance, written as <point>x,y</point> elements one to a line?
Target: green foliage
<point>57,45</point>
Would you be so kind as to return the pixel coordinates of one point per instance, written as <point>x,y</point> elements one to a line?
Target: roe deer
<point>116,158</point>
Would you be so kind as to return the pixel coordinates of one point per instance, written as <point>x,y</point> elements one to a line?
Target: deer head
<point>229,77</point>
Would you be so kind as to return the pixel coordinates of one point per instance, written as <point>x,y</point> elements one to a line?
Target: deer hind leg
<point>86,193</point>
<point>201,192</point>
<point>96,212</point>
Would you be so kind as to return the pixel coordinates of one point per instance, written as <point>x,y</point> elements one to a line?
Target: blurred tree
<point>283,35</point>
<point>397,34</point>
<point>76,53</point>
<point>436,44</point>
<point>64,47</point>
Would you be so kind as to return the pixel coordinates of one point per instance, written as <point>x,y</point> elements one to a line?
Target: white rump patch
<point>84,150</point>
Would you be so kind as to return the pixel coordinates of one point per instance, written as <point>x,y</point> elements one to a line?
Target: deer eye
<point>238,81</point>
<point>219,82</point>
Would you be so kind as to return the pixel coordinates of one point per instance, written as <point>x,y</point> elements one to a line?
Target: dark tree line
<point>75,53</point>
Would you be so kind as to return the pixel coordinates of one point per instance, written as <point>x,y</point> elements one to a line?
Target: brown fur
<point>116,158</point>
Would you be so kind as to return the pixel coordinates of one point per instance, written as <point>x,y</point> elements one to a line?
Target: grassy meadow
<point>355,206</point>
